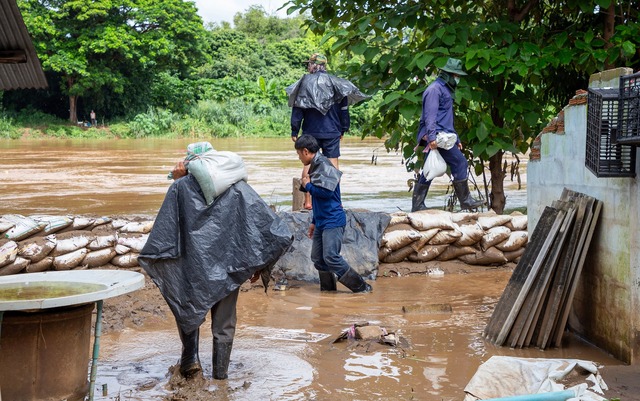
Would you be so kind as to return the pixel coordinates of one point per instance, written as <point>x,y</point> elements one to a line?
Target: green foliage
<point>7,129</point>
<point>155,122</point>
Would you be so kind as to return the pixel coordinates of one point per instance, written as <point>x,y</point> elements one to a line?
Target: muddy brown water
<point>283,348</point>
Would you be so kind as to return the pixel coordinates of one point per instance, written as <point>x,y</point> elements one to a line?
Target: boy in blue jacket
<point>329,219</point>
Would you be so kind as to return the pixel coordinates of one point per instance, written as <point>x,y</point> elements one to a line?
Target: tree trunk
<point>73,110</point>
<point>498,199</point>
<point>608,31</point>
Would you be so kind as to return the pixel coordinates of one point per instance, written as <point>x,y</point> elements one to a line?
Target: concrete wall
<point>606,304</point>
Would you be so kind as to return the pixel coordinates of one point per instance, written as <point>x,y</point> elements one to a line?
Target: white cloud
<point>224,10</point>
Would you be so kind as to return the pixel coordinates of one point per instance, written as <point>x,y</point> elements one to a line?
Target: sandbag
<point>102,241</point>
<point>517,223</point>
<point>100,221</point>
<point>383,252</point>
<point>453,252</point>
<point>128,260</point>
<point>135,243</point>
<point>445,237</point>
<point>398,218</point>
<point>8,252</point>
<point>14,268</point>
<point>69,260</point>
<point>465,217</point>
<point>53,223</point>
<point>140,227</point>
<point>511,256</point>
<point>425,237</point>
<point>122,249</point>
<point>40,266</point>
<point>24,227</point>
<point>98,258</point>
<point>398,255</point>
<point>484,258</point>
<point>428,219</point>
<point>119,223</point>
<point>399,227</point>
<point>427,253</point>
<point>216,172</point>
<point>36,249</point>
<point>72,241</point>
<point>399,239</point>
<point>516,240</point>
<point>6,225</point>
<point>471,234</point>
<point>494,236</point>
<point>490,220</point>
<point>80,223</point>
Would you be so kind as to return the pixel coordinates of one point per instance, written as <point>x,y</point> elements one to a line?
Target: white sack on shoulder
<point>216,172</point>
<point>434,166</point>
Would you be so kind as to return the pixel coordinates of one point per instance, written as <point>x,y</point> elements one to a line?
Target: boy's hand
<point>179,170</point>
<point>305,180</point>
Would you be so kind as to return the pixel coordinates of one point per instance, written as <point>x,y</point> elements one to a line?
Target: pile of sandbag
<point>473,238</point>
<point>38,243</point>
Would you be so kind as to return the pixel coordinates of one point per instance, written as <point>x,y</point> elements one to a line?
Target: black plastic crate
<point>604,156</point>
<point>629,110</point>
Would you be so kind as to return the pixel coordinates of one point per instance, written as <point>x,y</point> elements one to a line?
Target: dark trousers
<point>223,318</point>
<point>456,162</point>
<point>325,251</point>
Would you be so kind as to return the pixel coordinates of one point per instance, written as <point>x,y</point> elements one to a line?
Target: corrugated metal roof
<point>14,36</point>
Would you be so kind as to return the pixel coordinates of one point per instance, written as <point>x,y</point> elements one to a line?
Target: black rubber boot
<point>327,281</point>
<point>419,195</point>
<point>189,361</point>
<point>221,358</point>
<point>354,282</point>
<point>466,200</point>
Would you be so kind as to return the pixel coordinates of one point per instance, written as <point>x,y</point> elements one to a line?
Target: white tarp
<point>503,376</point>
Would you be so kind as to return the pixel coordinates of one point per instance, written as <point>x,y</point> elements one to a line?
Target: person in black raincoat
<point>198,255</point>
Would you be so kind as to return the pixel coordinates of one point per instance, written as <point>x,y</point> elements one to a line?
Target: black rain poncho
<point>320,91</point>
<point>198,254</point>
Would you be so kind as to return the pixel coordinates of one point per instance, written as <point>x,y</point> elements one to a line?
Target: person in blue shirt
<point>328,128</point>
<point>437,117</point>
<point>328,220</point>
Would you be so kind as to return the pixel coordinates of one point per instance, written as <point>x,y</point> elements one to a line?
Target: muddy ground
<point>145,311</point>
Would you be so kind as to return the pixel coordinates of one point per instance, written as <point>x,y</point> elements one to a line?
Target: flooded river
<point>283,348</point>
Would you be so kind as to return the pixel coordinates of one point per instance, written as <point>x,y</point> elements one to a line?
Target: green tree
<point>113,46</point>
<point>525,59</point>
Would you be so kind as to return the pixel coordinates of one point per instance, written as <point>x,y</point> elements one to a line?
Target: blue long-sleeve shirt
<point>327,204</point>
<point>437,111</point>
<point>334,124</point>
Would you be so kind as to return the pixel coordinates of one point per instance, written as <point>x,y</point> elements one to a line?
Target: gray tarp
<point>198,254</point>
<point>360,244</point>
<point>320,91</point>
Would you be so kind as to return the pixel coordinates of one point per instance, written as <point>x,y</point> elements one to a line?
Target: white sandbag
<point>398,255</point>
<point>98,258</point>
<point>102,241</point>
<point>24,227</point>
<point>465,217</point>
<point>490,220</point>
<point>8,252</point>
<point>135,243</point>
<point>511,256</point>
<point>383,252</point>
<point>121,249</point>
<point>80,222</point>
<point>429,219</point>
<point>141,227</point>
<point>516,240</point>
<point>128,260</point>
<point>71,241</point>
<point>119,223</point>
<point>54,223</point>
<point>216,172</point>
<point>6,225</point>
<point>427,253</point>
<point>69,260</point>
<point>398,217</point>
<point>444,237</point>
<point>517,223</point>
<point>493,236</point>
<point>40,266</point>
<point>453,252</point>
<point>399,227</point>
<point>37,248</point>
<point>425,237</point>
<point>399,239</point>
<point>491,256</point>
<point>100,221</point>
<point>471,234</point>
<point>16,267</point>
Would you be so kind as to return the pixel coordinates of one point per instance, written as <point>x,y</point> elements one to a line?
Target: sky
<point>224,10</point>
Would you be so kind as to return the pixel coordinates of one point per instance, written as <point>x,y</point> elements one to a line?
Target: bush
<point>154,122</point>
<point>7,129</point>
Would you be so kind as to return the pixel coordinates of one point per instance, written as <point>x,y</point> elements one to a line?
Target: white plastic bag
<point>434,166</point>
<point>446,140</point>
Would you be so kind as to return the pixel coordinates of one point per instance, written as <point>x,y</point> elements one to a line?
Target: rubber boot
<point>189,361</point>
<point>354,282</point>
<point>419,194</point>
<point>221,358</point>
<point>327,281</point>
<point>462,192</point>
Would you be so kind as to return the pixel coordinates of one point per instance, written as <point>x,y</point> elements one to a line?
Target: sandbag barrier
<point>37,243</point>
<point>473,238</point>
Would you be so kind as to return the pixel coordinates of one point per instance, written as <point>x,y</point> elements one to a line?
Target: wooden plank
<point>531,306</point>
<point>515,309</point>
<point>583,254</point>
<point>561,279</point>
<point>520,273</point>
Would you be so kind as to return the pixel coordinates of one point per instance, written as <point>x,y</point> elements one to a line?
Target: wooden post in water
<point>297,202</point>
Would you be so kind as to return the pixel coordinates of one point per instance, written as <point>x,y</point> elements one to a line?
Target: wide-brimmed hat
<point>454,66</point>
<point>316,58</point>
